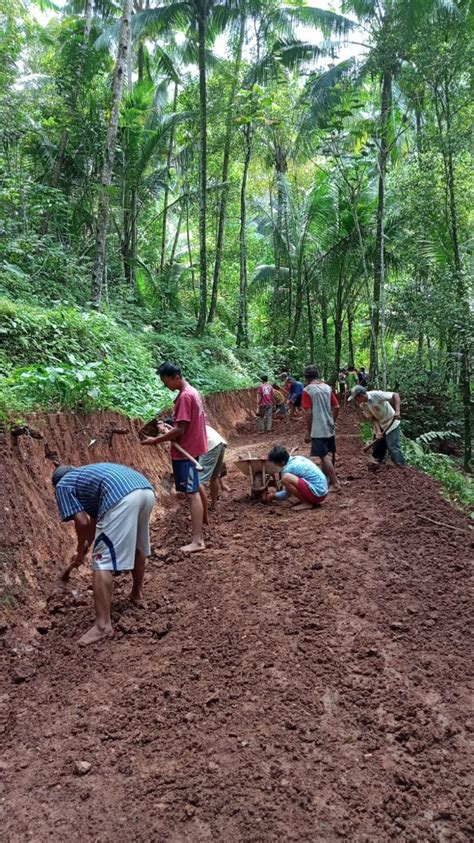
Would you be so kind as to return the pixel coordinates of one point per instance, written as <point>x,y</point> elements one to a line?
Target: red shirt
<point>265,394</point>
<point>188,407</point>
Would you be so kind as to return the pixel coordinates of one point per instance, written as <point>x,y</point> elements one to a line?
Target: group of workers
<point>110,504</point>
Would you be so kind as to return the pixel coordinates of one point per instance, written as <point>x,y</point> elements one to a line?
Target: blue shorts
<point>186,476</point>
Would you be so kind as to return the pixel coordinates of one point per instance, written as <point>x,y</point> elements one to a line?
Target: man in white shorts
<point>110,506</point>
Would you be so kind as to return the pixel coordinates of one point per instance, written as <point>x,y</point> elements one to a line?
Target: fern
<point>431,436</point>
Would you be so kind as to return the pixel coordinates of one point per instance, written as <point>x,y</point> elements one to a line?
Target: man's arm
<point>172,433</point>
<point>85,531</point>
<point>334,406</point>
<point>307,406</point>
<point>395,402</point>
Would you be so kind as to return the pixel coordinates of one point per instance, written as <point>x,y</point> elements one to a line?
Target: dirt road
<point>303,679</point>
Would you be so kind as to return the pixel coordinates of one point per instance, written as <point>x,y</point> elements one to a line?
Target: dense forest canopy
<point>236,184</point>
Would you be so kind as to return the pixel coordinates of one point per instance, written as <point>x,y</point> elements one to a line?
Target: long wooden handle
<point>384,431</point>
<point>188,456</point>
<point>181,450</point>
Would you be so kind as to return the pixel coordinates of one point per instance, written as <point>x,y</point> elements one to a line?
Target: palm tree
<point>109,153</point>
<point>202,20</point>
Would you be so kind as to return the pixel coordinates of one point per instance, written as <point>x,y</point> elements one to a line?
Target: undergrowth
<point>68,358</point>
<point>458,486</point>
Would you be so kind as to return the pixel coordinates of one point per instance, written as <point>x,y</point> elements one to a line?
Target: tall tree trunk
<point>176,237</point>
<point>202,315</point>
<point>280,170</point>
<point>129,237</point>
<point>58,164</point>
<point>350,337</point>
<point>465,314</point>
<point>243,327</point>
<point>310,318</point>
<point>339,319</point>
<point>190,257</point>
<point>299,294</point>
<point>379,262</point>
<point>109,154</point>
<point>225,166</point>
<point>324,325</point>
<point>169,156</point>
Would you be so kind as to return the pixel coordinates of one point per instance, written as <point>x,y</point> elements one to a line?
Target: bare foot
<point>137,601</point>
<point>95,634</point>
<point>299,507</point>
<point>194,547</point>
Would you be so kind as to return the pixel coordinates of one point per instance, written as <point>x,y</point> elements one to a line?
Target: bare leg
<point>290,482</point>
<point>214,487</point>
<point>137,575</point>
<point>203,495</point>
<point>328,468</point>
<point>223,485</point>
<point>195,503</point>
<point>102,588</point>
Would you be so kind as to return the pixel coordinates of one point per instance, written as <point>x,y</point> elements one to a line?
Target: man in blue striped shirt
<point>110,506</point>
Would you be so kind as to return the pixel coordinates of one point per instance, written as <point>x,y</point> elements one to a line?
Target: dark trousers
<point>391,443</point>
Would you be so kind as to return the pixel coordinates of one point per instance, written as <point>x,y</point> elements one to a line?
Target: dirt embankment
<point>32,541</point>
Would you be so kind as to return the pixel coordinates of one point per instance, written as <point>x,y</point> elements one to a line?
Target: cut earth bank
<point>34,546</point>
<point>303,679</point>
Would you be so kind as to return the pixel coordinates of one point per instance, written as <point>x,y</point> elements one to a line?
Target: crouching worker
<point>301,478</point>
<point>110,506</point>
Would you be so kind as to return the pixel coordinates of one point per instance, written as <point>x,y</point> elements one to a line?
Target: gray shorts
<point>212,463</point>
<point>122,530</point>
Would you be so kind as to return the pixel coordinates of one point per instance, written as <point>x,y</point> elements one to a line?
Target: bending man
<point>383,410</point>
<point>110,506</point>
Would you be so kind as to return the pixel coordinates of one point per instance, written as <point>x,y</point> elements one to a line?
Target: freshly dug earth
<point>304,678</point>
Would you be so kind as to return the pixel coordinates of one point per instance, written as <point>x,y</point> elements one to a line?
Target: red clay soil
<point>303,679</point>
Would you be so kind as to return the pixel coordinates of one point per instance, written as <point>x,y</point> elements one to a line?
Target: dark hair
<point>311,373</point>
<point>169,370</point>
<point>275,386</point>
<point>278,455</point>
<point>168,420</point>
<point>264,378</point>
<point>60,472</point>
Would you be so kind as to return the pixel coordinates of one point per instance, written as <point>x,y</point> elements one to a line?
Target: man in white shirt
<point>212,462</point>
<point>383,410</point>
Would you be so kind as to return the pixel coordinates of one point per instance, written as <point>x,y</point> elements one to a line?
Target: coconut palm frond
<point>330,23</point>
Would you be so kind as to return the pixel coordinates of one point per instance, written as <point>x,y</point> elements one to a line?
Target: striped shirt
<point>96,488</point>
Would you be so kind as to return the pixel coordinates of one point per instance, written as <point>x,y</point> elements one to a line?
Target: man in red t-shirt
<point>265,405</point>
<point>189,432</point>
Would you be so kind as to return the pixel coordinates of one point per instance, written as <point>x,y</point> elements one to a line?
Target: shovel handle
<point>384,431</point>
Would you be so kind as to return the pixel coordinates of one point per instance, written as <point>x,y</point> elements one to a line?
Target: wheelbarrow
<point>260,472</point>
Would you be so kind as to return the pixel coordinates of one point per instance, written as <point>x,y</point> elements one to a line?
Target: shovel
<point>384,431</point>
